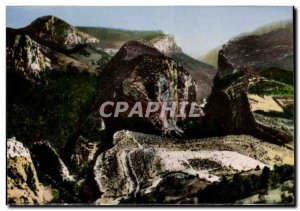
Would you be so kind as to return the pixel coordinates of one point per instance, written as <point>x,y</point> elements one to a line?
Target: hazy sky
<point>197,29</point>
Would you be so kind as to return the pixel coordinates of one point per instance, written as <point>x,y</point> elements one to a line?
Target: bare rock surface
<point>23,186</point>
<point>49,163</point>
<point>141,162</point>
<point>242,62</point>
<point>84,151</point>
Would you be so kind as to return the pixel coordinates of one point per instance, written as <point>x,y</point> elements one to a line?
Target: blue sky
<point>197,29</point>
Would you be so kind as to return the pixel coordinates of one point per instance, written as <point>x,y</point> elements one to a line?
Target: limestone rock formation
<point>93,127</point>
<point>49,163</point>
<point>134,82</point>
<point>143,164</point>
<point>242,63</point>
<point>202,73</point>
<point>23,186</point>
<point>52,30</point>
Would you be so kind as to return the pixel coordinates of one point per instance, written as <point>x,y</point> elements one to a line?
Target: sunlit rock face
<point>144,165</point>
<point>167,45</point>
<point>143,74</point>
<point>23,186</point>
<point>49,163</point>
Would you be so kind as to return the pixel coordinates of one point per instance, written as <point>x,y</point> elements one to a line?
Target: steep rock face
<point>23,186</point>
<point>241,63</point>
<point>93,126</point>
<point>144,164</point>
<point>165,44</point>
<point>52,30</point>
<point>202,73</point>
<point>134,82</point>
<point>27,56</point>
<point>84,151</point>
<point>228,110</point>
<point>49,163</point>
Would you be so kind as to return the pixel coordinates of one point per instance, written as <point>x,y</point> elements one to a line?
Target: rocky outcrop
<point>274,49</point>
<point>30,58</point>
<point>23,186</point>
<point>134,82</point>
<point>240,62</point>
<point>84,151</point>
<point>202,73</point>
<point>48,162</point>
<point>144,164</point>
<point>52,30</point>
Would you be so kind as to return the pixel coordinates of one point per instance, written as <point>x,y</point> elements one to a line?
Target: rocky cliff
<point>148,167</point>
<point>31,59</point>
<point>167,45</point>
<point>49,163</point>
<point>244,62</point>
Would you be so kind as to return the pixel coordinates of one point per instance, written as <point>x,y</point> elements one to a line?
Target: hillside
<point>115,38</point>
<point>212,56</point>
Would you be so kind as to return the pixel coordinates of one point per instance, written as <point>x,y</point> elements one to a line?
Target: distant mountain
<point>212,56</point>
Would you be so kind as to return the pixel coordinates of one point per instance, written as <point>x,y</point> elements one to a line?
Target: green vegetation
<point>224,82</point>
<point>53,107</point>
<point>271,88</point>
<point>288,112</point>
<point>283,76</point>
<point>115,38</point>
<point>244,185</point>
